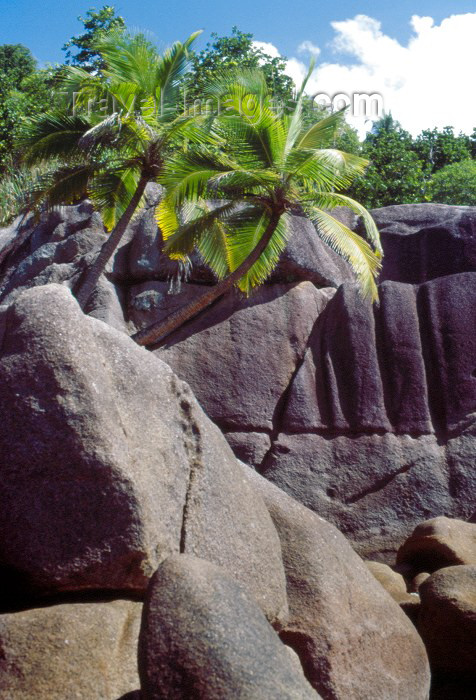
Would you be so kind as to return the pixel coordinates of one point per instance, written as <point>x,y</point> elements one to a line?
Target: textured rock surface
<point>438,543</point>
<point>366,415</point>
<point>203,637</point>
<point>393,582</point>
<point>83,650</point>
<point>447,620</point>
<point>375,488</point>
<point>424,241</point>
<point>109,464</point>
<point>240,360</point>
<point>308,258</point>
<point>339,615</point>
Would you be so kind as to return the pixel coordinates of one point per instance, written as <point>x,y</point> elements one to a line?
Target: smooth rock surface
<point>447,620</point>
<point>374,488</point>
<point>339,615</point>
<point>203,637</point>
<point>393,582</point>
<point>81,650</point>
<point>438,543</point>
<point>109,464</point>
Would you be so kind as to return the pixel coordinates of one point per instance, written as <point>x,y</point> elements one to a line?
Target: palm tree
<point>111,157</point>
<point>269,167</point>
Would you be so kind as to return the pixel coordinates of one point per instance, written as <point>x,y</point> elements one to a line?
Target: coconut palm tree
<point>269,168</point>
<point>116,139</point>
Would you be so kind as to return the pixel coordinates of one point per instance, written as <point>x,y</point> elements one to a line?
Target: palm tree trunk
<point>158,331</point>
<point>88,284</point>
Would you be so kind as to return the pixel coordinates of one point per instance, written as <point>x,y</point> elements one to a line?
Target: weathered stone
<point>225,354</point>
<point>250,448</point>
<point>438,543</point>
<point>393,582</point>
<point>447,620</point>
<point>109,464</point>
<point>418,580</point>
<point>374,488</point>
<point>405,367</point>
<point>424,241</point>
<point>338,614</point>
<point>202,636</point>
<point>83,650</point>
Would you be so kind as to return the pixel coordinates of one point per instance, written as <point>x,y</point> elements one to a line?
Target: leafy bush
<point>454,184</point>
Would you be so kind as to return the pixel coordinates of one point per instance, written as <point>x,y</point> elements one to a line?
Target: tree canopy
<point>97,24</point>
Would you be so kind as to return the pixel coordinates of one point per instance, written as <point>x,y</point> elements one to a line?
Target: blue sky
<point>45,26</point>
<point>418,56</point>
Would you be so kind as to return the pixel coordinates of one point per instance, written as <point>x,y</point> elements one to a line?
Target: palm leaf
<point>323,133</point>
<point>350,246</point>
<point>335,199</point>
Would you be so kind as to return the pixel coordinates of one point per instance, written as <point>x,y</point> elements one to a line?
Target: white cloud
<point>267,48</point>
<point>309,47</point>
<point>426,83</point>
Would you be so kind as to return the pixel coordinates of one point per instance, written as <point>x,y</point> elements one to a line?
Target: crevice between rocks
<point>193,449</point>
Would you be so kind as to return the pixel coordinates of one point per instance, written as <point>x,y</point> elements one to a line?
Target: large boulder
<point>377,432</point>
<point>438,543</point>
<point>203,637</point>
<point>447,620</point>
<point>109,465</point>
<point>82,650</point>
<point>226,357</point>
<point>424,241</point>
<point>339,615</point>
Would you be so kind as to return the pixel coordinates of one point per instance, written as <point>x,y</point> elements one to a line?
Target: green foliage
<point>121,130</point>
<point>395,174</point>
<point>273,165</point>
<point>230,52</point>
<point>439,148</point>
<point>96,25</point>
<point>16,63</point>
<point>34,95</point>
<point>454,184</point>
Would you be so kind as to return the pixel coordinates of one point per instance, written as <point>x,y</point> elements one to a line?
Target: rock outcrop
<point>447,621</point>
<point>203,637</point>
<point>82,650</point>
<point>337,612</point>
<point>109,465</point>
<point>438,543</point>
<point>364,415</point>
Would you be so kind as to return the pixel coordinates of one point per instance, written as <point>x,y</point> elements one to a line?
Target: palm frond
<point>64,185</point>
<point>350,246</point>
<point>323,133</point>
<point>294,125</point>
<point>325,169</point>
<point>336,199</point>
<point>111,191</point>
<point>245,229</point>
<point>53,135</point>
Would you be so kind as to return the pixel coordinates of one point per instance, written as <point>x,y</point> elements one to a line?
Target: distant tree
<point>35,94</point>
<point>96,24</point>
<point>454,184</point>
<point>439,148</point>
<point>230,52</point>
<point>395,174</point>
<point>16,63</point>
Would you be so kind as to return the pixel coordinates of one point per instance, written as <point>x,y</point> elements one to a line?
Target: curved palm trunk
<point>88,284</point>
<point>158,331</point>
